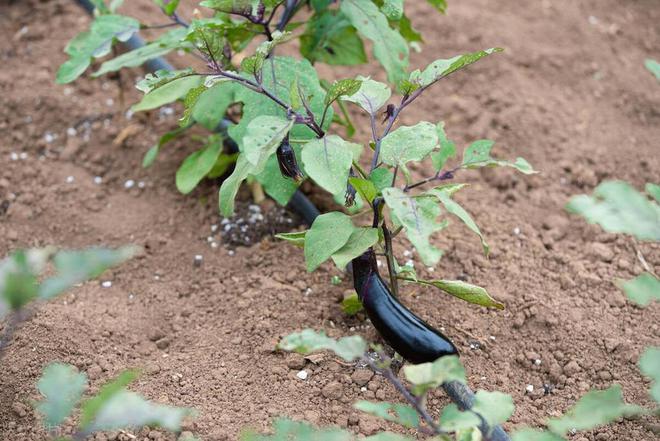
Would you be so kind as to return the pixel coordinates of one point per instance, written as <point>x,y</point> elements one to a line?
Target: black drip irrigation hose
<point>459,393</point>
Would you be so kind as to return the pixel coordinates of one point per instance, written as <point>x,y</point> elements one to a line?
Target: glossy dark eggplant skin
<point>410,336</point>
<point>286,158</point>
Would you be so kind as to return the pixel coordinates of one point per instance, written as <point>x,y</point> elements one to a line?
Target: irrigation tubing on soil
<point>459,393</point>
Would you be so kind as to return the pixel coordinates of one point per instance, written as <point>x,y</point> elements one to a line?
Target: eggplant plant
<point>331,33</point>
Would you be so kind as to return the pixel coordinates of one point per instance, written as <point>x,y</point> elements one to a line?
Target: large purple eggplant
<point>410,336</point>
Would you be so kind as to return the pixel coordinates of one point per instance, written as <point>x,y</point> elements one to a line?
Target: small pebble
<point>23,155</point>
<point>302,375</point>
<point>231,252</point>
<point>49,137</point>
<point>106,284</point>
<point>142,184</point>
<point>407,253</point>
<point>197,261</point>
<point>529,388</point>
<point>13,156</point>
<point>214,228</point>
<point>516,231</point>
<point>70,179</point>
<point>98,180</point>
<point>129,184</point>
<point>409,262</point>
<point>537,362</point>
<point>71,131</point>
<point>492,337</point>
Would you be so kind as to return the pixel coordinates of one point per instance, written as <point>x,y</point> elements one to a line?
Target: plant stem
<point>410,398</point>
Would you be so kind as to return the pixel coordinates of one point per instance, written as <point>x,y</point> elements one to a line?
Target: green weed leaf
<point>351,304</point>
<point>494,407</point>
<point>595,408</point>
<point>91,406</point>
<point>642,289</point>
<point>308,341</point>
<point>61,386</point>
<point>618,208</point>
<point>427,376</point>
<point>452,419</point>
<point>74,267</point>
<point>653,67</point>
<point>649,364</point>
<point>397,413</point>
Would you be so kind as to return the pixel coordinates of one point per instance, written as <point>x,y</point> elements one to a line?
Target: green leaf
<point>168,93</point>
<point>642,289</point>
<point>494,407</point>
<point>286,71</point>
<point>328,234</point>
<point>189,103</point>
<point>371,96</point>
<point>464,291</point>
<point>328,161</point>
<point>128,409</point>
<point>160,78</point>
<point>162,46</point>
<point>452,419</point>
<point>653,67</point>
<point>618,208</point>
<point>389,47</point>
<point>208,36</point>
<point>222,164</point>
<point>535,435</point>
<point>440,5</point>
<point>264,135</point>
<point>441,68</point>
<point>478,155</point>
<point>308,341</point>
<point>359,241</point>
<point>408,143</point>
<point>393,9</point>
<point>419,217</point>
<point>649,364</point>
<point>595,408</point>
<point>427,376</point>
<point>351,304</point>
<point>381,178</point>
<point>365,188</point>
<point>18,280</point>
<point>62,386</point>
<point>397,413</point>
<point>212,104</point>
<point>653,190</point>
<point>198,164</point>
<point>95,43</point>
<point>457,210</point>
<point>152,153</point>
<point>168,6</point>
<point>447,148</point>
<point>297,238</point>
<point>92,406</point>
<point>330,38</point>
<point>75,267</point>
<point>278,187</point>
<point>339,88</point>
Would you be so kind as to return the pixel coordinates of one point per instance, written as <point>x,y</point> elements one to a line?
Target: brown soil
<point>570,94</point>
